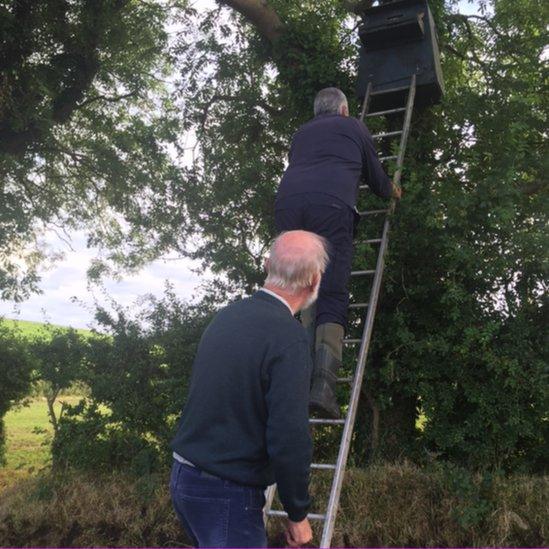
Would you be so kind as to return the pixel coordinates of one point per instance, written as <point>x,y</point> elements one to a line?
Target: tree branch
<point>273,111</point>
<point>111,99</point>
<point>261,15</point>
<point>357,6</point>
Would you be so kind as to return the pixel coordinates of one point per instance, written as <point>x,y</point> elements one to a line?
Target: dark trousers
<point>216,512</point>
<point>334,220</point>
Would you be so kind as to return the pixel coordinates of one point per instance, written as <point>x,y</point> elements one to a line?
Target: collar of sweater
<point>280,298</point>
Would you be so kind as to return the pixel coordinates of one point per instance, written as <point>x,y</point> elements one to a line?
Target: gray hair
<point>329,101</point>
<point>292,265</point>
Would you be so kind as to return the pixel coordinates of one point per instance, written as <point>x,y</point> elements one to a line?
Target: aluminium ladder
<point>348,422</point>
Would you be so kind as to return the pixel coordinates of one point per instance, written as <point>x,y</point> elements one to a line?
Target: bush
<point>137,374</point>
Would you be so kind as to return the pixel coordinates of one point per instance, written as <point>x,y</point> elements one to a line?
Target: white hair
<point>291,266</point>
<point>329,101</point>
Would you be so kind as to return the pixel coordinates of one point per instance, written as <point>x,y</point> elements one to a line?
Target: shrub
<point>137,374</point>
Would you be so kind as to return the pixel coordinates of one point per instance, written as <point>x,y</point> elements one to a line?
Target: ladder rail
<point>366,102</point>
<point>269,498</point>
<point>405,132</point>
<point>345,444</point>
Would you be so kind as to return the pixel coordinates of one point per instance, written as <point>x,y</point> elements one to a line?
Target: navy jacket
<point>329,154</point>
<point>246,416</point>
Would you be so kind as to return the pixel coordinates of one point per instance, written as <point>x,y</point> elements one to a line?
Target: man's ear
<point>344,110</point>
<point>315,281</point>
<point>266,265</point>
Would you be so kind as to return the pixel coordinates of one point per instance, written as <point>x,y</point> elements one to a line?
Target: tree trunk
<point>51,397</point>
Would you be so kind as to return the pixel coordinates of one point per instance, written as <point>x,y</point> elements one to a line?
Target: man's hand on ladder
<point>397,191</point>
<point>298,533</point>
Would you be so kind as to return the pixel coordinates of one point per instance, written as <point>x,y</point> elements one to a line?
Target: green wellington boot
<point>308,320</point>
<point>328,357</point>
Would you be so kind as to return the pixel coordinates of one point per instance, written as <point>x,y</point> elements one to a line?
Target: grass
<point>30,329</point>
<point>398,505</point>
<point>29,434</point>
<point>383,505</point>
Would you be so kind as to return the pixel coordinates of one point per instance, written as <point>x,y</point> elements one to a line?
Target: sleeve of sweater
<point>289,443</point>
<point>372,170</point>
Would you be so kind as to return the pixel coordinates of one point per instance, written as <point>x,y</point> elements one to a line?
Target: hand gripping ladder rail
<point>348,422</point>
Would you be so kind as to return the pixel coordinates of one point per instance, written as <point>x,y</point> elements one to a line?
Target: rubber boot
<point>308,320</point>
<point>328,356</point>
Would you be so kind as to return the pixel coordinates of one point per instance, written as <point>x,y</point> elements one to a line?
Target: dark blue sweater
<point>329,154</point>
<point>246,416</point>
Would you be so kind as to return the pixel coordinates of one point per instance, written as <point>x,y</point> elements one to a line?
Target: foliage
<point>458,336</point>
<point>137,376</point>
<point>381,506</point>
<point>16,369</point>
<point>85,121</point>
<point>457,339</point>
<point>59,356</point>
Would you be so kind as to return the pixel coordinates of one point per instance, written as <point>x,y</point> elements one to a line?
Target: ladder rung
<point>322,421</point>
<point>310,516</point>
<point>390,157</point>
<point>386,134</point>
<point>330,466</point>
<point>358,305</point>
<point>368,241</point>
<point>363,273</point>
<point>390,90</point>
<point>351,341</point>
<point>344,379</point>
<point>390,111</point>
<point>373,212</point>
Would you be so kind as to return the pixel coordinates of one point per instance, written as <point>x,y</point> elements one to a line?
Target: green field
<point>31,329</point>
<point>28,439</point>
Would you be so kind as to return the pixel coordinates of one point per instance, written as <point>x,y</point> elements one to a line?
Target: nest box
<point>398,40</point>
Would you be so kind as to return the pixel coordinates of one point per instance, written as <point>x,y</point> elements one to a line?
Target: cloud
<point>68,278</point>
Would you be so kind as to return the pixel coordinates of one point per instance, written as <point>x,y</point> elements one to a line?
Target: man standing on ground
<point>245,424</point>
<point>318,191</point>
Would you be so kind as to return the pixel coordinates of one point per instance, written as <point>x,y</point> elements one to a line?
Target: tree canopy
<point>458,367</point>
<point>85,119</point>
<point>457,345</point>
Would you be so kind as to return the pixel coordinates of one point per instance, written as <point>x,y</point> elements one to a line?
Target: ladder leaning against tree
<point>348,423</point>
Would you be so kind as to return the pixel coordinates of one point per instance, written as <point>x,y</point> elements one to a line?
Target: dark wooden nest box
<point>398,39</point>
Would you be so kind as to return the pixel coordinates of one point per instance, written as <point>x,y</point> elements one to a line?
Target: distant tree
<point>59,353</point>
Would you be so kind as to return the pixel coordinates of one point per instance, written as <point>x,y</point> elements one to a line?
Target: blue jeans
<point>216,512</point>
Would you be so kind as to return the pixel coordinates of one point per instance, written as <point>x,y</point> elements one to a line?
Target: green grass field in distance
<point>28,451</point>
<point>31,329</point>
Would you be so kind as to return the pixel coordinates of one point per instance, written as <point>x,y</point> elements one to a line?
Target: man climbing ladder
<point>318,192</point>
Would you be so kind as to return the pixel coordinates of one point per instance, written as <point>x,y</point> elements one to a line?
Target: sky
<point>67,279</point>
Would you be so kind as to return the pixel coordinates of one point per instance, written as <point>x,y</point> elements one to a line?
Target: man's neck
<point>294,302</point>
